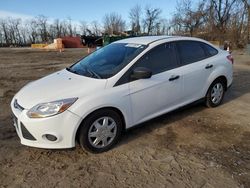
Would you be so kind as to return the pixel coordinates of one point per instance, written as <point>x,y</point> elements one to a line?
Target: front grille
<point>26,134</point>
<point>18,106</point>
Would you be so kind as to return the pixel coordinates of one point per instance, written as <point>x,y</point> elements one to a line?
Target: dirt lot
<point>191,147</point>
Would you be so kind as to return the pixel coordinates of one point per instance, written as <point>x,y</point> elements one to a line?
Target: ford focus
<point>117,87</point>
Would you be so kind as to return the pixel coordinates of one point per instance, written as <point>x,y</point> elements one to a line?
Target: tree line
<point>209,19</point>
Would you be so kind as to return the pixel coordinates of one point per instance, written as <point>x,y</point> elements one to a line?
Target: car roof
<point>143,40</point>
<point>146,40</point>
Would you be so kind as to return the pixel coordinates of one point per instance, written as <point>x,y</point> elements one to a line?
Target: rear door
<point>195,67</point>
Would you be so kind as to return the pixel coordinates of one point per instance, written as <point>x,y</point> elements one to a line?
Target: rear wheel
<point>100,131</point>
<point>215,93</point>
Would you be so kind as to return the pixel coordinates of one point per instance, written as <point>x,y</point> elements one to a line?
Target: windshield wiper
<point>93,73</point>
<point>71,70</point>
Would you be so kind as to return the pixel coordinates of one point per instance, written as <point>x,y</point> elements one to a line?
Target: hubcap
<point>102,132</point>
<point>217,93</point>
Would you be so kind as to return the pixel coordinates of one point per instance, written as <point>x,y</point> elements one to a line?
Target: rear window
<point>190,52</point>
<point>211,51</point>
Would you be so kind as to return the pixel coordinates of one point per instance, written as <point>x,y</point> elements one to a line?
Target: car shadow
<point>240,86</point>
<point>164,120</point>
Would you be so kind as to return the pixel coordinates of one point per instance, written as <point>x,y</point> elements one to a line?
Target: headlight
<point>51,108</point>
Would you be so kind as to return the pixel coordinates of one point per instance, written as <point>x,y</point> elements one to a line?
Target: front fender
<point>116,97</point>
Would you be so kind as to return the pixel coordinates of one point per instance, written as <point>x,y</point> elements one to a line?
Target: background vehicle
<point>117,87</point>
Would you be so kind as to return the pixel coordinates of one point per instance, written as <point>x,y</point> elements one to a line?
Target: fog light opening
<point>50,137</point>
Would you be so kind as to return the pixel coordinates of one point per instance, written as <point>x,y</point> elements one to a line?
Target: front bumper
<point>32,131</point>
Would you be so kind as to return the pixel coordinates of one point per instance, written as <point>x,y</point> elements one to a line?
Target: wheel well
<point>105,108</point>
<point>223,79</point>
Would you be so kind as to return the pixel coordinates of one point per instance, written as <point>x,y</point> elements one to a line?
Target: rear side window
<point>159,59</point>
<point>211,51</point>
<point>190,52</point>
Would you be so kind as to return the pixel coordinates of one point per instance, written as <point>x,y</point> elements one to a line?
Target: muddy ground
<point>191,147</point>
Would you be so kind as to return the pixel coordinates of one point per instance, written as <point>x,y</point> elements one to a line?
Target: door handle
<point>173,77</point>
<point>208,66</point>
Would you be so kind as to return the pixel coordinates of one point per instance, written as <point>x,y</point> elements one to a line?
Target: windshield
<point>107,61</point>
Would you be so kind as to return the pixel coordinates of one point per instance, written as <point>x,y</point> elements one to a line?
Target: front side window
<point>190,52</point>
<point>159,59</point>
<point>107,61</point>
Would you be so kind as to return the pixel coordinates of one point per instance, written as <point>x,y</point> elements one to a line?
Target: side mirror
<point>141,73</point>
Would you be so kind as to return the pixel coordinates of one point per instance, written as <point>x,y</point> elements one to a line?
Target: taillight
<point>230,58</point>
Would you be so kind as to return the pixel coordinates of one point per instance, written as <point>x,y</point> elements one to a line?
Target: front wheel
<point>215,93</point>
<point>100,131</point>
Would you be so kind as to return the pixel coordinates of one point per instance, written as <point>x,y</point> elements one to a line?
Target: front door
<point>154,96</point>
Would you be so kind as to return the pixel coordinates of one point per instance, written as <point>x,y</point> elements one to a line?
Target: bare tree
<point>209,19</point>
<point>57,28</point>
<point>212,20</point>
<point>32,31</point>
<point>95,27</point>
<point>222,18</point>
<point>248,35</point>
<point>69,26</point>
<point>5,30</point>
<point>135,19</point>
<point>42,25</point>
<point>220,13</point>
<point>247,5</point>
<point>113,23</point>
<point>74,33</point>
<point>152,16</point>
<point>188,18</point>
<point>1,37</point>
<point>165,27</point>
<point>64,28</point>
<point>83,27</point>
<point>237,30</point>
<point>24,35</point>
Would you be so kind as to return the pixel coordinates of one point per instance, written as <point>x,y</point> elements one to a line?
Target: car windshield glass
<point>107,61</point>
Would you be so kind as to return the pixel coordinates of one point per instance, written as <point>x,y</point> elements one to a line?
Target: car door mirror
<point>141,73</point>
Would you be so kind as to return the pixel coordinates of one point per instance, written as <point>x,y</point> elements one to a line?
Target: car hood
<point>59,85</point>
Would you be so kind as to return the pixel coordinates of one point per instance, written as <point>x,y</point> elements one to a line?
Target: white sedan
<point>117,87</point>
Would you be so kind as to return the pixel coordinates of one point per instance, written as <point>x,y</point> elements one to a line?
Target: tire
<point>100,131</point>
<point>215,93</point>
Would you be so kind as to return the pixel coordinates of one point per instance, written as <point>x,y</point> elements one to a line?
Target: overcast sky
<point>77,10</point>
